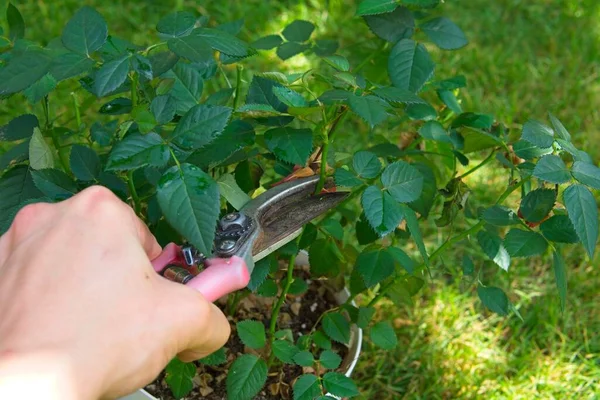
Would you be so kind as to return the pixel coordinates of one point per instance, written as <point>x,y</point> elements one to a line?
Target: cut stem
<point>323,153</point>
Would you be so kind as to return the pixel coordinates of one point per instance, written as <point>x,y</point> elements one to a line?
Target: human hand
<point>82,312</point>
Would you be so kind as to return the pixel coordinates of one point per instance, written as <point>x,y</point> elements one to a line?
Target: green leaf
<point>40,153</point>
<point>330,360</point>
<point>551,168</point>
<point>529,151</point>
<point>16,25</point>
<point>246,377</point>
<point>142,66</point>
<point>102,134</point>
<point>304,358</point>
<point>410,65</point>
<point>586,173</point>
<point>345,178</point>
<point>336,326</point>
<point>117,106</point>
<point>413,225</point>
<point>261,92</point>
<point>338,62</point>
<point>494,299</point>
<point>285,351</point>
<point>17,187</point>
<point>179,377</point>
<point>371,109</point>
<point>232,192</point>
<point>220,97</point>
<point>176,24</point>
<point>444,33</point>
<point>403,259</point>
<point>289,144</point>
<point>559,128</point>
<point>217,358</point>
<point>537,204</point>
<point>382,211</point>
<point>85,32</point>
<point>560,274</point>
<point>298,31</point>
<point>403,181</point>
<point>307,387</point>
<point>383,335</point>
<point>36,92</point>
<point>324,258</point>
<point>392,26</point>
<point>538,134</point>
<point>374,265</point>
<point>14,155</point>
<point>520,243</point>
<point>189,200</point>
<point>252,333</point>
<point>193,48</point>
<point>583,213</point>
<point>366,164</point>
<point>339,385</point>
<point>224,42</point>
<point>267,42</point>
<point>23,71</point>
<point>500,216</point>
<point>137,151</point>
<point>371,7</point>
<point>290,49</point>
<point>433,130</point>
<point>163,108</point>
<point>449,99</point>
<point>54,183</point>
<point>492,246</point>
<point>143,118</point>
<point>333,228</point>
<point>289,97</point>
<point>259,274</point>
<point>19,128</point>
<point>248,174</point>
<point>111,75</point>
<point>559,228</point>
<point>84,163</point>
<point>321,340</point>
<point>188,86</point>
<point>200,126</point>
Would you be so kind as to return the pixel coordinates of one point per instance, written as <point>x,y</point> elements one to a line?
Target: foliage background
<point>524,58</point>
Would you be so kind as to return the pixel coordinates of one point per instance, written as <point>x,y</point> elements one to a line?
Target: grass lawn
<point>525,58</point>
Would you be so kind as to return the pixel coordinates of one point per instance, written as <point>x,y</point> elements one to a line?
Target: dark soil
<point>299,313</point>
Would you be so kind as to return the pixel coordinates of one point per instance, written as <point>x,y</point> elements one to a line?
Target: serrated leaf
<point>403,259</point>
<point>392,26</point>
<point>345,178</point>
<point>23,71</point>
<point>259,274</point>
<point>252,333</point>
<point>285,351</point>
<point>85,32</point>
<point>14,155</point>
<point>163,108</point>
<point>333,228</point>
<point>217,358</point>
<point>559,228</point>
<point>551,168</point>
<point>187,87</point>
<point>289,97</point>
<point>450,100</point>
<point>306,387</point>
<point>371,7</point>
<point>410,65</point>
<point>529,151</point>
<point>371,109</point>
<point>267,42</point>
<point>142,66</point>
<point>176,24</point>
<point>324,258</point>
<point>246,377</point>
<point>179,377</point>
<point>19,128</point>
<point>444,33</point>
<point>224,42</point>
<point>374,265</point>
<point>559,128</point>
<point>382,211</point>
<point>586,173</point>
<point>298,31</point>
<point>289,144</point>
<point>520,243</point>
<point>366,164</point>
<point>321,340</point>
<point>330,360</point>
<point>304,358</point>
<point>494,299</point>
<point>16,25</point>
<point>433,130</point>
<point>193,48</point>
<point>403,181</point>
<point>336,326</point>
<point>200,126</point>
<point>288,50</point>
<point>383,335</point>
<point>189,199</point>
<point>338,62</point>
<point>232,192</point>
<point>54,183</point>
<point>261,92</point>
<point>111,76</point>
<point>339,385</point>
<point>84,163</point>
<point>137,151</point>
<point>492,246</point>
<point>40,153</point>
<point>17,187</point>
<point>102,134</point>
<point>500,216</point>
<point>560,274</point>
<point>36,92</point>
<point>538,134</point>
<point>537,204</point>
<point>583,213</point>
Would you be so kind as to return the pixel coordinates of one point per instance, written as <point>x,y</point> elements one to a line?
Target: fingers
<point>215,337</point>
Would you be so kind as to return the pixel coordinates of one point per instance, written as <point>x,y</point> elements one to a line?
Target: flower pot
<point>348,363</point>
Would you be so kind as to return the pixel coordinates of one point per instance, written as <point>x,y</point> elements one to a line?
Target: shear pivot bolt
<point>227,245</point>
<point>231,217</point>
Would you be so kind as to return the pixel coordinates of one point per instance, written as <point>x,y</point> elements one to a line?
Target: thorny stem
<point>450,242</point>
<point>481,164</point>
<point>137,205</point>
<point>325,148</point>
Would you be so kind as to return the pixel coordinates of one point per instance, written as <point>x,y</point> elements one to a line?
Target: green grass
<point>525,58</point>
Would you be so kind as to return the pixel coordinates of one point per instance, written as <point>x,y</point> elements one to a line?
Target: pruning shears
<point>242,238</point>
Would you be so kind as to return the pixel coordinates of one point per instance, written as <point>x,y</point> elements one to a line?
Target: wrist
<point>39,375</point>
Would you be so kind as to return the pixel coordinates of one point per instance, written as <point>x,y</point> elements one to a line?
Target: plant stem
<point>174,157</point>
<point>238,86</point>
<point>137,205</point>
<point>481,164</point>
<point>152,47</point>
<point>49,131</point>
<point>77,112</point>
<point>325,148</point>
<point>134,89</point>
<point>225,75</point>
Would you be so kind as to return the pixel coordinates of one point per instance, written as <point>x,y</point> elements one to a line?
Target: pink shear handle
<point>222,275</point>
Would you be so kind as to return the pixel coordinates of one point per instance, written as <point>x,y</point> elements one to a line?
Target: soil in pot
<point>300,313</point>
